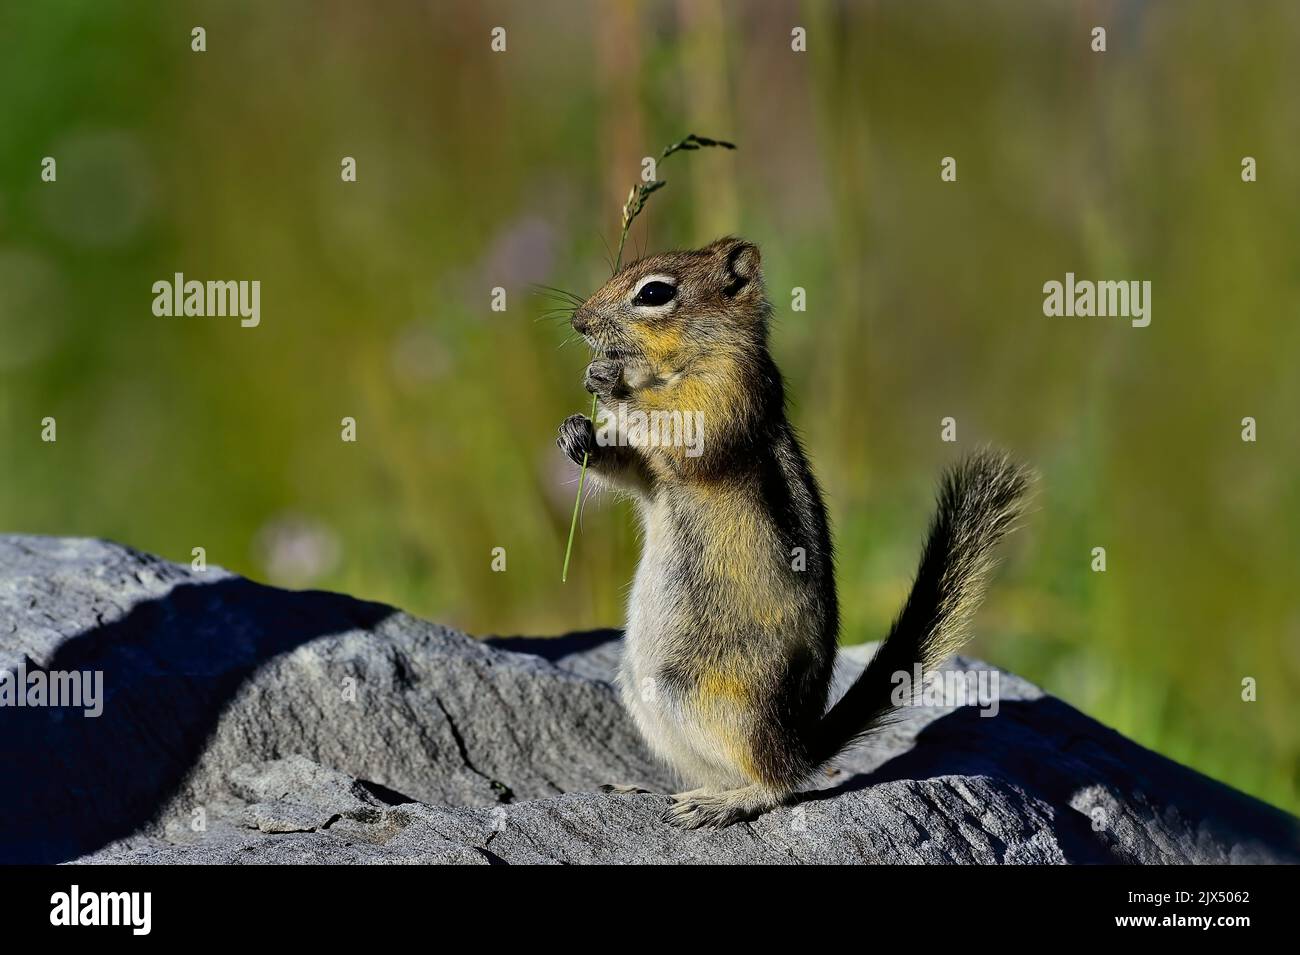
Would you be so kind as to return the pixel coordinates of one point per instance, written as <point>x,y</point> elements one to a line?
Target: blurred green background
<point>478,170</point>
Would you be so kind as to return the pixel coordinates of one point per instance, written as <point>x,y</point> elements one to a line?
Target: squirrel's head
<point>667,311</point>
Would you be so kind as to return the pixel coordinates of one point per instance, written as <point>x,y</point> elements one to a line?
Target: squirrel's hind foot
<point>700,809</point>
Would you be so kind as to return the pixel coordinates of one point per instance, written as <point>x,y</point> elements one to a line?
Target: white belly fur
<point>674,733</point>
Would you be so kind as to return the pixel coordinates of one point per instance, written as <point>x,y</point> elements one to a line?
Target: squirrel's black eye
<point>655,293</point>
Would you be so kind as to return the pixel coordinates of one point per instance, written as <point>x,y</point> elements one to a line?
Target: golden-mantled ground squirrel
<point>732,624</point>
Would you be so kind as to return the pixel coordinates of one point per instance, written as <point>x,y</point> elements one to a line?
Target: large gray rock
<point>243,723</point>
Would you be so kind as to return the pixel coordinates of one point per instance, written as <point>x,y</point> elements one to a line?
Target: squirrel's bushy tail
<point>979,502</point>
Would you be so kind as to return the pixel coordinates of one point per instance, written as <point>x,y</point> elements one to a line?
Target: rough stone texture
<point>243,723</point>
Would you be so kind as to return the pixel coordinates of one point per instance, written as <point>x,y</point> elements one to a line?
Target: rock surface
<point>242,723</point>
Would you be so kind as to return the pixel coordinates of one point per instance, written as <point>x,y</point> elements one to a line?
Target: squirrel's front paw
<point>603,377</point>
<point>577,437</point>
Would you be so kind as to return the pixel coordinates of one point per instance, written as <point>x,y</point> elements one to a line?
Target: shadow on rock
<point>170,666</point>
<point>1115,800</point>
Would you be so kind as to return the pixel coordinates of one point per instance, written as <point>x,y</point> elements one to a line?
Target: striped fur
<point>733,620</point>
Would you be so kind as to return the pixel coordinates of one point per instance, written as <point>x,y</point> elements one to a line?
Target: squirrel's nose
<point>581,321</point>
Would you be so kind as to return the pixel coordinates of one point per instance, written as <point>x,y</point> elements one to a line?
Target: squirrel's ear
<point>742,265</point>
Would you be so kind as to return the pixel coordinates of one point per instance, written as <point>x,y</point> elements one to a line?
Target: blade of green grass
<point>636,200</point>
